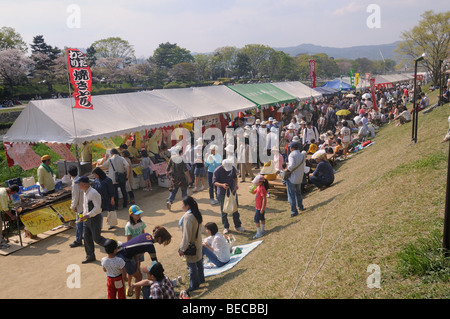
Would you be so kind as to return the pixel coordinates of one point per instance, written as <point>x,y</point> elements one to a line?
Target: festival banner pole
<point>72,107</point>
<point>79,75</point>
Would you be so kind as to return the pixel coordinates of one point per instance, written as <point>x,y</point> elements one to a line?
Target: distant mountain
<point>371,52</point>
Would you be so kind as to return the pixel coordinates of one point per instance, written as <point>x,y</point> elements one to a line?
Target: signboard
<point>47,218</point>
<point>63,151</point>
<point>41,220</point>
<point>64,210</point>
<point>25,156</point>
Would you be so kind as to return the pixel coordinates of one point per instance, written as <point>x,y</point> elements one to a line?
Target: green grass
<point>386,208</point>
<point>425,259</point>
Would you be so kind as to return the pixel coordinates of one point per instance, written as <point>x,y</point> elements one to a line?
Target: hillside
<point>385,198</point>
<point>371,52</point>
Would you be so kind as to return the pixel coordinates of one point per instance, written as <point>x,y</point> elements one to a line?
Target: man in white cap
<point>179,173</point>
<point>225,177</point>
<point>212,161</point>
<point>270,123</point>
<point>296,165</point>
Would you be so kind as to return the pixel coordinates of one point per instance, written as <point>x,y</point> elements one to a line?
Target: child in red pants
<point>115,271</point>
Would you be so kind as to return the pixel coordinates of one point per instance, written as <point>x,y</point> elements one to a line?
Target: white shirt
<point>120,165</point>
<point>346,134</point>
<point>310,133</point>
<point>113,266</point>
<point>294,159</point>
<point>220,246</point>
<point>92,195</point>
<point>406,114</point>
<point>77,198</point>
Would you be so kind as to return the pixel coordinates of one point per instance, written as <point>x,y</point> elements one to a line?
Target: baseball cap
<point>134,210</point>
<point>81,179</point>
<point>45,157</point>
<point>155,269</point>
<point>258,178</point>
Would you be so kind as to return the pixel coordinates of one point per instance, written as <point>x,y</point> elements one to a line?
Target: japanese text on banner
<point>80,77</point>
<point>312,73</point>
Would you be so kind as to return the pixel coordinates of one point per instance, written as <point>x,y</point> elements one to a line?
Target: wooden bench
<point>277,184</point>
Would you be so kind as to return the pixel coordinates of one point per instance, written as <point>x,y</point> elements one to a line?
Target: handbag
<point>230,203</point>
<point>286,173</point>
<point>191,250</point>
<point>120,178</point>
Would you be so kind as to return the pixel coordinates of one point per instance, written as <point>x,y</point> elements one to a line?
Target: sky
<point>202,26</point>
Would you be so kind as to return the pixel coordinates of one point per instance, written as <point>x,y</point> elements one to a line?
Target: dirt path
<point>44,269</point>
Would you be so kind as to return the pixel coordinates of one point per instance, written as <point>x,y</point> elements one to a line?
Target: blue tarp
<point>335,84</point>
<point>326,90</point>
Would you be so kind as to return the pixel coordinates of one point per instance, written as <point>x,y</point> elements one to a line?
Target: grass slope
<point>384,199</point>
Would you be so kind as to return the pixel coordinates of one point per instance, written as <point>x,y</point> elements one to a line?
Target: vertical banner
<point>367,76</point>
<point>340,83</point>
<point>356,79</point>
<point>312,73</point>
<point>352,79</point>
<point>80,77</point>
<point>374,96</point>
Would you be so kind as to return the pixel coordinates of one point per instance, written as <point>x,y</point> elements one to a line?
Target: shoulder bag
<point>191,250</point>
<point>287,173</point>
<point>120,178</point>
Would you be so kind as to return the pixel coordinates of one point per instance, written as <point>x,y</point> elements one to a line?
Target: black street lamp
<point>440,83</point>
<point>415,113</point>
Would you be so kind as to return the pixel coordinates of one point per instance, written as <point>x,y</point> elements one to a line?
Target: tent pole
<point>73,115</point>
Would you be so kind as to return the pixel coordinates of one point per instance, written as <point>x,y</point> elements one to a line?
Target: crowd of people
<point>297,146</point>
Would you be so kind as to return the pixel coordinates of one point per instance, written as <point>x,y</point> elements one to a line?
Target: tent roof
<point>52,120</point>
<point>326,90</point>
<point>335,84</point>
<point>298,89</point>
<point>263,93</point>
<point>381,79</point>
<point>203,101</point>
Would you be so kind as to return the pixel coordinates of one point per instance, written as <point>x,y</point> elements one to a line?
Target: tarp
<point>263,94</point>
<point>52,121</point>
<point>204,101</point>
<point>298,89</point>
<point>335,84</point>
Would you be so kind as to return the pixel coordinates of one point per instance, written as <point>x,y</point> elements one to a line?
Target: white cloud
<point>352,7</point>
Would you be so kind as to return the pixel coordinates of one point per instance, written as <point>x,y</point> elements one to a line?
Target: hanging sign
<point>81,78</point>
<point>312,73</point>
<point>374,97</point>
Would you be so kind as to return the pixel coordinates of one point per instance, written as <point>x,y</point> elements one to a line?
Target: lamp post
<point>415,114</point>
<point>440,83</point>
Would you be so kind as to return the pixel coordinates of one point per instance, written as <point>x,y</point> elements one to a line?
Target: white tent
<point>52,120</point>
<point>204,101</point>
<point>298,89</point>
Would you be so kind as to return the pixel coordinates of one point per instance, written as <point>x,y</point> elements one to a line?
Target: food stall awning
<point>263,93</point>
<point>53,121</point>
<point>205,101</point>
<point>298,89</point>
